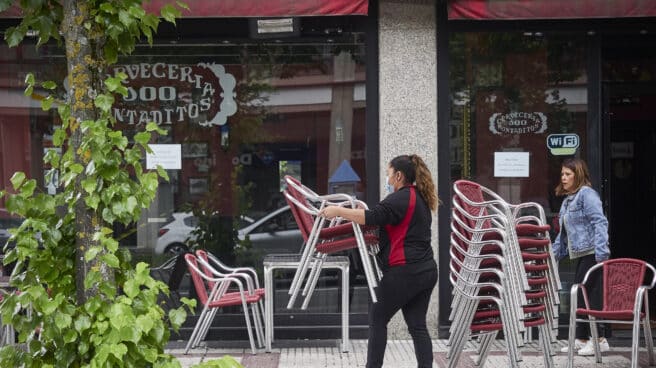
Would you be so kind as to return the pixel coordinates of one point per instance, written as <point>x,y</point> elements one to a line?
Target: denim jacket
<point>586,226</point>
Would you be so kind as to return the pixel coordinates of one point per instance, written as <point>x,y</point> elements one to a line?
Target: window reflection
<point>510,92</point>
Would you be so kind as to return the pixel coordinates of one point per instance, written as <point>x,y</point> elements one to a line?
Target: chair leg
<point>196,330</point>
<point>248,326</point>
<point>484,347</point>
<point>595,338</point>
<point>572,326</point>
<point>545,342</point>
<point>257,320</point>
<point>649,342</point>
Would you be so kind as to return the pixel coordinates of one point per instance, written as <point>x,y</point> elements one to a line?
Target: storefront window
<point>519,107</point>
<point>240,115</point>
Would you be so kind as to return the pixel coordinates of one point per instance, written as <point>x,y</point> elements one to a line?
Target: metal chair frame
<point>641,302</point>
<point>219,288</point>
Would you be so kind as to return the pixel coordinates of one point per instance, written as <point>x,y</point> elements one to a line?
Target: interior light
<point>280,25</point>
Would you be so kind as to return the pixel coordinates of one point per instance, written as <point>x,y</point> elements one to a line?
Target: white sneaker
<point>588,349</point>
<point>578,345</point>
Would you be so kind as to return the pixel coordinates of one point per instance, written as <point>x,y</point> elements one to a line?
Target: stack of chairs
<point>325,237</point>
<point>504,274</point>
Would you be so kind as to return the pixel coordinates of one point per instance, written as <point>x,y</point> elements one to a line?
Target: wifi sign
<point>563,144</point>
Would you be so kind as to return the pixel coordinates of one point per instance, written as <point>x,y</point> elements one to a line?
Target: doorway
<point>631,170</point>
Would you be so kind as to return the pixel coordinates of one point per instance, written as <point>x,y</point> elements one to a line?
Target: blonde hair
<point>581,176</point>
<point>415,171</point>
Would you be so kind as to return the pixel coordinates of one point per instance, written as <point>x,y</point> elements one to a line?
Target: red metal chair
<point>625,300</point>
<point>219,297</point>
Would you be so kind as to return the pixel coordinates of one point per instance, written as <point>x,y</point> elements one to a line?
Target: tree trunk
<point>85,65</point>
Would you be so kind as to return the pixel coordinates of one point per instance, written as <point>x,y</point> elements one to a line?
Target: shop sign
<point>200,94</point>
<point>563,144</point>
<point>518,123</point>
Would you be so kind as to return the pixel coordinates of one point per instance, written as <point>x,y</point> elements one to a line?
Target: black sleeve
<point>390,211</point>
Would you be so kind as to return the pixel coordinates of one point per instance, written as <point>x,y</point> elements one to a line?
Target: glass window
<point>240,113</point>
<point>519,107</point>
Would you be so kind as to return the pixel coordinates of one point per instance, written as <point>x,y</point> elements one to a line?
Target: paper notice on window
<point>511,164</point>
<point>169,156</point>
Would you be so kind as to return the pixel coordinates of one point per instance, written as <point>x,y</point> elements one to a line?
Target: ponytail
<point>415,171</point>
<point>425,182</point>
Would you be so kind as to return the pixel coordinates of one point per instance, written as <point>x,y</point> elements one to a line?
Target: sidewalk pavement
<point>399,354</point>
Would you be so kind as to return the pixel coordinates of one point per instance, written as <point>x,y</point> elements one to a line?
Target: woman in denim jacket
<point>584,237</point>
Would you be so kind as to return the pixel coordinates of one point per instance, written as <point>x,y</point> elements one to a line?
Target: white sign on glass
<point>169,156</point>
<point>511,164</point>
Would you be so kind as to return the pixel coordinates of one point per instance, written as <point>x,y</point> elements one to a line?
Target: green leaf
<point>89,184</point>
<point>28,188</point>
<point>142,138</point>
<point>93,200</point>
<point>130,334</point>
<point>177,317</point>
<point>17,179</point>
<point>111,53</point>
<point>82,323</point>
<point>59,137</point>
<point>62,320</point>
<point>14,35</point>
<point>169,13</point>
<point>113,83</point>
<point>149,354</point>
<point>107,8</point>
<point>145,323</point>
<point>131,289</point>
<point>70,336</point>
<point>28,91</point>
<point>118,350</point>
<point>91,253</point>
<point>104,102</point>
<point>49,85</point>
<point>111,260</point>
<point>46,103</point>
<point>131,204</point>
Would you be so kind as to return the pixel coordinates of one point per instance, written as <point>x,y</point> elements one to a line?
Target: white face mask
<point>389,187</point>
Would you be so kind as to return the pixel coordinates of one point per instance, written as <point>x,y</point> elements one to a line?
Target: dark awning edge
<point>548,9</point>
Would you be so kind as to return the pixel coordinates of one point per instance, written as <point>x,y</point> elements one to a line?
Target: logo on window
<point>518,123</point>
<point>201,94</point>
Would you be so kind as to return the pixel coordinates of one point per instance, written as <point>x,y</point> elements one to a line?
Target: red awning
<point>253,8</point>
<point>550,9</point>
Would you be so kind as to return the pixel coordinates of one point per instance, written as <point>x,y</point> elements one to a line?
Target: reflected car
<point>7,222</point>
<point>275,232</point>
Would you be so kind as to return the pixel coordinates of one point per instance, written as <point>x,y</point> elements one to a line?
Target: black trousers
<point>595,295</point>
<point>405,289</point>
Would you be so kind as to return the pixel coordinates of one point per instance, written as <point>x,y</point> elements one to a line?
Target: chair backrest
<point>298,215</point>
<point>303,219</point>
<point>622,277</point>
<point>202,254</point>
<point>472,192</point>
<point>199,283</point>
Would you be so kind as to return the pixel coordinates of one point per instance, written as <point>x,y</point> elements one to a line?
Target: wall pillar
<point>408,103</point>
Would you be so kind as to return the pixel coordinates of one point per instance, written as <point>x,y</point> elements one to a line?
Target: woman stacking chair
<point>214,293</point>
<point>324,237</point>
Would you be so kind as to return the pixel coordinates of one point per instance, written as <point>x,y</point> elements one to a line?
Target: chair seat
<point>497,326</point>
<point>334,246</point>
<point>259,291</point>
<point>232,299</point>
<point>494,312</point>
<point>619,315</point>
